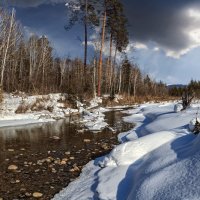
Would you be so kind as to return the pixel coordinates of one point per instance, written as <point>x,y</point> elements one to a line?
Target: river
<point>49,156</point>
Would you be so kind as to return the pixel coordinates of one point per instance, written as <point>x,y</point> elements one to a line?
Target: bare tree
<point>11,34</point>
<point>7,45</point>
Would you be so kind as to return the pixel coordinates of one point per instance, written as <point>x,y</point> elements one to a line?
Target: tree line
<point>193,87</point>
<point>29,65</point>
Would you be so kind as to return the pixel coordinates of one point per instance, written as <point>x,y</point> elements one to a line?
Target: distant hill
<point>176,86</point>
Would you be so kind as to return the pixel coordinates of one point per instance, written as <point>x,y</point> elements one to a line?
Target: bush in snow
<point>178,107</point>
<point>187,98</point>
<point>196,128</point>
<point>68,101</point>
<point>193,125</point>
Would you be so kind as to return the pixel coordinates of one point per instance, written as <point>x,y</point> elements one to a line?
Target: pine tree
<point>114,24</point>
<point>84,12</point>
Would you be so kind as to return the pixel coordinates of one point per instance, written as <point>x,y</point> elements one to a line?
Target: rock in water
<point>12,167</point>
<point>37,194</point>
<point>87,140</point>
<point>11,150</point>
<point>56,138</point>
<point>63,162</point>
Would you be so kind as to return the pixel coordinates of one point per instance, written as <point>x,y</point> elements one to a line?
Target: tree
<point>187,98</point>
<point>10,35</point>
<point>82,11</point>
<point>115,22</point>
<point>33,58</point>
<point>101,54</point>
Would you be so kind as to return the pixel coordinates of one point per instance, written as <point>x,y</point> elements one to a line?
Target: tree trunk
<point>120,80</point>
<point>113,73</point>
<point>134,86</point>
<point>101,55</point>
<point>94,79</point>
<point>85,26</point>
<point>110,62</point>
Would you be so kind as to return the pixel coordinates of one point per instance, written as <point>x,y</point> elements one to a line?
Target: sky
<point>164,35</point>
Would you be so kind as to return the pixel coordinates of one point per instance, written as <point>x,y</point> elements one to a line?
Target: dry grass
<point>130,100</point>
<point>22,108</point>
<point>39,104</point>
<point>1,95</point>
<point>68,101</point>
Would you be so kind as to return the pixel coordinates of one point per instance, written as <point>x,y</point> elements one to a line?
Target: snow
<point>95,121</point>
<point>95,102</point>
<point>158,159</point>
<point>178,107</point>
<point>122,155</point>
<point>35,109</point>
<point>170,172</point>
<point>192,123</point>
<point>17,110</point>
<point>20,109</point>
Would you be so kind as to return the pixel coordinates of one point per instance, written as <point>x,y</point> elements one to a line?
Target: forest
<point>193,87</point>
<point>29,64</point>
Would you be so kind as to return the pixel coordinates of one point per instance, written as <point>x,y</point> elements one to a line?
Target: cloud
<point>139,45</point>
<point>156,49</point>
<point>171,25</point>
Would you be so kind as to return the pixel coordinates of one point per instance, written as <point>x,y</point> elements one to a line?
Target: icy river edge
<point>39,149</point>
<point>158,154</point>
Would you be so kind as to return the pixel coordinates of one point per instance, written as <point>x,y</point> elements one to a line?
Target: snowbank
<point>178,107</point>
<point>20,110</point>
<point>159,159</point>
<point>132,151</point>
<point>170,172</point>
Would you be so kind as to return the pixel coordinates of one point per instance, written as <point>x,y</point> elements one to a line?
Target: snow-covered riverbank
<point>18,110</point>
<point>21,109</point>
<point>158,159</point>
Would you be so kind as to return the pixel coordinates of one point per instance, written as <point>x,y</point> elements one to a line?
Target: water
<point>37,151</point>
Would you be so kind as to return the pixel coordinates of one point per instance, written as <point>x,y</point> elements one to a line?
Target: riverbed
<point>47,157</point>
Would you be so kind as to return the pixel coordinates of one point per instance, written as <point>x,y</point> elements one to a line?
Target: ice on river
<point>95,120</point>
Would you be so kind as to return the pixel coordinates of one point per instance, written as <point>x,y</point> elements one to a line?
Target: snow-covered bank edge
<point>157,125</point>
<point>18,110</point>
<point>21,109</point>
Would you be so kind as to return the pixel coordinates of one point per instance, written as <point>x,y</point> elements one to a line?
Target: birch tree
<point>10,34</point>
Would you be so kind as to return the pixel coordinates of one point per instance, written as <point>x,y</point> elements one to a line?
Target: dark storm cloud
<point>50,20</point>
<point>30,3</point>
<point>161,21</point>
